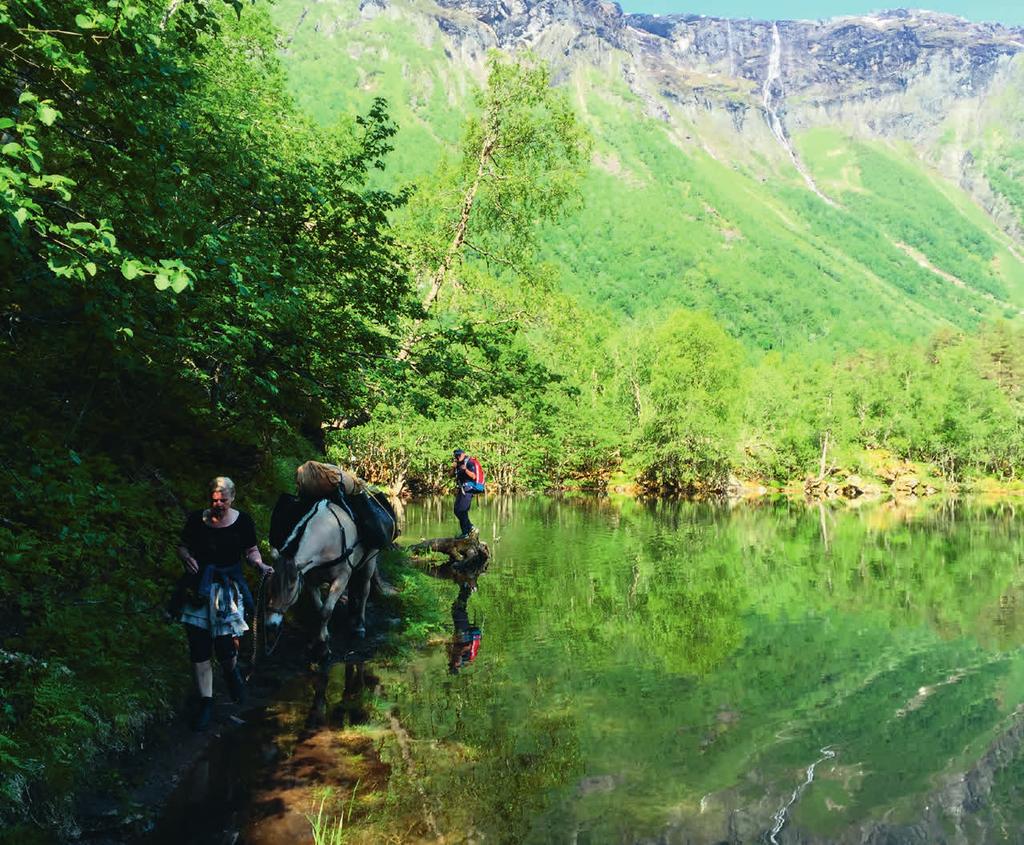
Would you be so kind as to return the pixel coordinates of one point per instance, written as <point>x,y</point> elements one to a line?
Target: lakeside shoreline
<point>425,639</point>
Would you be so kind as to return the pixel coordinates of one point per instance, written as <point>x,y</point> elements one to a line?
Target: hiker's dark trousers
<point>202,645</point>
<point>463,501</point>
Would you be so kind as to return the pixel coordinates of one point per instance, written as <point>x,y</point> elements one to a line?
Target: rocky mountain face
<point>929,79</point>
<point>829,65</point>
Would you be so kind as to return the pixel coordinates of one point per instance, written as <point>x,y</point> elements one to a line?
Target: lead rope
<point>256,626</point>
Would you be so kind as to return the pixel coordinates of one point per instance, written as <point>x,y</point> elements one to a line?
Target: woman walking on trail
<point>213,543</point>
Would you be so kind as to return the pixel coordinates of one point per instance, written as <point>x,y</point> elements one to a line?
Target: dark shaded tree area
<point>202,252</point>
<point>192,271</point>
<point>199,280</point>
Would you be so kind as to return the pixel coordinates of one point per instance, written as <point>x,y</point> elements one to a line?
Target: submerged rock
<point>597,784</point>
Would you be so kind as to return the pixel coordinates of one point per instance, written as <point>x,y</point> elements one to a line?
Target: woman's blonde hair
<point>224,484</point>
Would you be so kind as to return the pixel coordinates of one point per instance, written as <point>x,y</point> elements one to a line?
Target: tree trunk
<point>824,456</point>
<point>397,486</point>
<point>440,275</point>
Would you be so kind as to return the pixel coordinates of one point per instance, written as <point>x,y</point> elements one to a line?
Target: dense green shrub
<point>87,660</point>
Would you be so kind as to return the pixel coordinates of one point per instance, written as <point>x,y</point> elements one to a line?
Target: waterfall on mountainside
<point>768,95</point>
<point>729,48</point>
<point>772,79</point>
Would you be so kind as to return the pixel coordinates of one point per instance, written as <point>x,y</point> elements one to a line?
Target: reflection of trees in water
<point>501,770</point>
<point>692,648</point>
<point>948,567</point>
<point>691,570</point>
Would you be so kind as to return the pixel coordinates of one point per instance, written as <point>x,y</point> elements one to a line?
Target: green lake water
<point>694,672</point>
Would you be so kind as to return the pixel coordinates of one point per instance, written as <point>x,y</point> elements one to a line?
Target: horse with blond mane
<point>324,547</point>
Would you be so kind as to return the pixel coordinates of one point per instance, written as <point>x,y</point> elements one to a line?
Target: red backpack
<point>475,468</point>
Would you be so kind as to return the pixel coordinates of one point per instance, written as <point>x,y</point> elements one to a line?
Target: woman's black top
<point>218,546</point>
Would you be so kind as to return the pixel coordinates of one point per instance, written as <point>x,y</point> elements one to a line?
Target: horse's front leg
<point>314,595</point>
<point>319,649</point>
<point>327,609</point>
<point>357,603</point>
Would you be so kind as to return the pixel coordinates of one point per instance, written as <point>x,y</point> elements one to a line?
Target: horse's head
<point>285,587</point>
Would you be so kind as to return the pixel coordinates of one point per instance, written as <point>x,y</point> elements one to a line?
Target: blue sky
<point>1005,11</point>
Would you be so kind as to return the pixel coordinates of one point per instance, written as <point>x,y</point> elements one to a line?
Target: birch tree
<point>522,157</point>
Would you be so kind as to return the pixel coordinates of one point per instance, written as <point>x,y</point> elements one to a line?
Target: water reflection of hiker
<point>464,477</point>
<point>213,543</point>
<point>465,644</point>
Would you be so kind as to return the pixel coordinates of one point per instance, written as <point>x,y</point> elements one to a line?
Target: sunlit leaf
<point>47,115</point>
<point>131,268</point>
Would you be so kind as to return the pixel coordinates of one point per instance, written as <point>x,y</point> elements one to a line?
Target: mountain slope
<point>807,183</point>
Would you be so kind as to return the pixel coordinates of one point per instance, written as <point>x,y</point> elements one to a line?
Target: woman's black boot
<point>202,718</point>
<point>236,683</point>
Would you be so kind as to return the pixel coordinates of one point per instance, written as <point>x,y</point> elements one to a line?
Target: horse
<point>329,552</point>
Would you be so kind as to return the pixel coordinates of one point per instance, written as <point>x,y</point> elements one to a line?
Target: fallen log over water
<point>463,552</point>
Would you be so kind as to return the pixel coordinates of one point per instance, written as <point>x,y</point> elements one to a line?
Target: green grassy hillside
<point>686,216</point>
